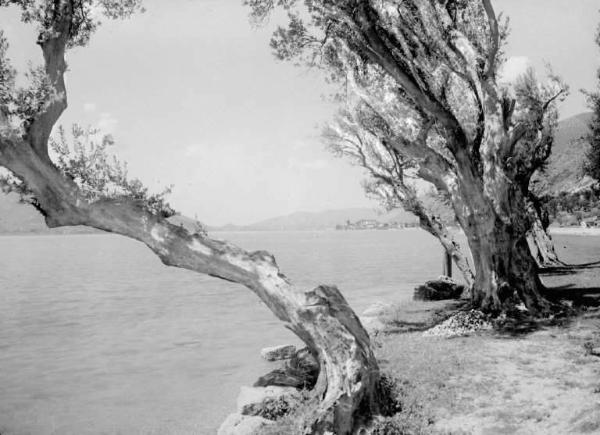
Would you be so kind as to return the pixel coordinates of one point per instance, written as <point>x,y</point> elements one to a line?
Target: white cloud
<point>89,107</point>
<point>514,67</point>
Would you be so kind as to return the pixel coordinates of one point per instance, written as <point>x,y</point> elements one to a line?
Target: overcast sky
<point>194,98</point>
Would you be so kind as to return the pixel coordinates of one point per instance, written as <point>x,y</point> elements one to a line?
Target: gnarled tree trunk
<point>493,213</point>
<point>505,269</point>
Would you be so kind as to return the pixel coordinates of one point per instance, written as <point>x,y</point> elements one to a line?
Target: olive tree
<point>353,136</point>
<point>81,187</point>
<point>436,62</point>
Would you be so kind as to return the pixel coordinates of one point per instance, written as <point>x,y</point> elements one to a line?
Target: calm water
<point>98,337</point>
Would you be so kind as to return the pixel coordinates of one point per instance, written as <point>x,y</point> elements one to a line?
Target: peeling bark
<point>542,247</point>
<point>496,226</point>
<point>539,240</point>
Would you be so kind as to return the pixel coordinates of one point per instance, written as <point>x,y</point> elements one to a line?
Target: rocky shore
<point>457,372</point>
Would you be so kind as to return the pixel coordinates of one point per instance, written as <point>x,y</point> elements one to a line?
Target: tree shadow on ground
<point>570,301</point>
<point>568,269</point>
<point>579,297</point>
<point>418,316</point>
<point>401,326</point>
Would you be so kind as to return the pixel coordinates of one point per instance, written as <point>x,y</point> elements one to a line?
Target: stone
<point>238,424</point>
<point>276,353</point>
<point>439,289</point>
<point>300,371</point>
<point>280,378</point>
<point>254,400</point>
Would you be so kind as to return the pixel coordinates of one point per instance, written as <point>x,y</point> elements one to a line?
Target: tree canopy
<point>427,71</point>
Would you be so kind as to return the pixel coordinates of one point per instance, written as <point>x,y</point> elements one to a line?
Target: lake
<point>98,337</point>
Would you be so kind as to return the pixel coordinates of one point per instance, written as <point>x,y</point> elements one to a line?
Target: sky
<point>194,99</point>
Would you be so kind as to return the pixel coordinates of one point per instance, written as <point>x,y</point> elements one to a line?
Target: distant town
<point>372,224</point>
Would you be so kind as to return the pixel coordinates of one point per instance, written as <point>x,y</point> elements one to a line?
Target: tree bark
<point>495,223</point>
<point>539,240</point>
<point>506,274</point>
<point>321,317</point>
<point>542,247</point>
<point>482,158</point>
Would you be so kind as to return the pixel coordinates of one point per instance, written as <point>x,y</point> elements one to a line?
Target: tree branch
<point>376,49</point>
<point>490,72</point>
<point>53,43</point>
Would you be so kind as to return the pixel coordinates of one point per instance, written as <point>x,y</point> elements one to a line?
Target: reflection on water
<point>98,337</point>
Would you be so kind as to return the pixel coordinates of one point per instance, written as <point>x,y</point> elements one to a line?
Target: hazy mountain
<point>564,172</point>
<point>325,220</point>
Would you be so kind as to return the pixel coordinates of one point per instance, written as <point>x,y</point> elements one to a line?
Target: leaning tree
<point>78,189</point>
<point>437,62</point>
<point>355,136</point>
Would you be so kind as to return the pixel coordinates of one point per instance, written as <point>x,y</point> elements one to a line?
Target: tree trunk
<point>440,231</point>
<point>321,317</point>
<point>506,273</point>
<point>539,240</point>
<point>542,247</point>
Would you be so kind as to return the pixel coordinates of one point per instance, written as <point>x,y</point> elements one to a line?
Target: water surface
<point>98,337</point>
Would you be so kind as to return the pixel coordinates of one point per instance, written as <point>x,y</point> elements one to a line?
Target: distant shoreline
<point>567,231</point>
<point>575,231</point>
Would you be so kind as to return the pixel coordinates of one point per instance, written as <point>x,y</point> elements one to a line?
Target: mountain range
<point>17,218</point>
<point>563,173</point>
<point>324,220</point>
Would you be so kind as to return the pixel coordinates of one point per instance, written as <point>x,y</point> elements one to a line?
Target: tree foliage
<point>100,175</point>
<point>84,16</point>
<point>427,74</point>
<point>84,157</point>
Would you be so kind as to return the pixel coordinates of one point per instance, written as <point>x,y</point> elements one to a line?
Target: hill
<point>325,220</point>
<point>564,172</point>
